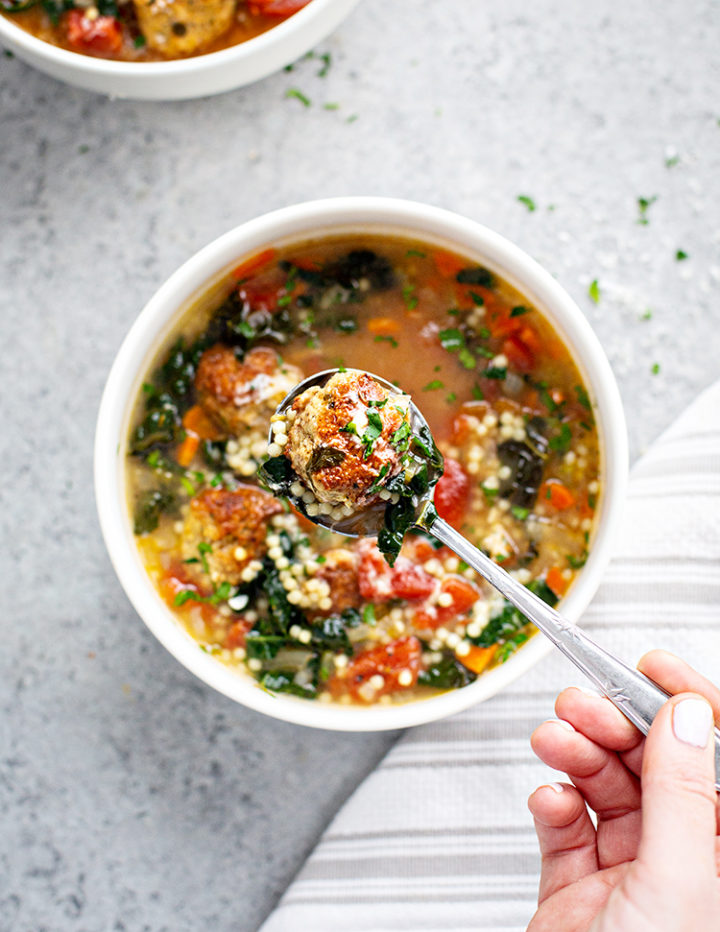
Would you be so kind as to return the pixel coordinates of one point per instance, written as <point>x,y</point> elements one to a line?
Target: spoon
<point>637,696</point>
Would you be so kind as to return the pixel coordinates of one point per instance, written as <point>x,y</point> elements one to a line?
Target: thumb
<point>678,784</point>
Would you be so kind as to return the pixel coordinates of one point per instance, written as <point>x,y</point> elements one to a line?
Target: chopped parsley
<point>594,291</point>
<point>296,94</point>
<point>681,255</point>
<point>520,513</point>
<point>519,311</point>
<point>655,369</point>
<point>527,201</point>
<point>382,338</point>
<point>433,386</point>
<point>582,397</point>
<point>561,442</point>
<point>451,339</point>
<point>644,204</point>
<point>409,297</point>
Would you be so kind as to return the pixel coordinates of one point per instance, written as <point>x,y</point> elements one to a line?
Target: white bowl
<point>182,79</point>
<point>150,333</point>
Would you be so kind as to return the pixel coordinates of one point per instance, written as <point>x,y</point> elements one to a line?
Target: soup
<point>148,30</point>
<point>313,613</point>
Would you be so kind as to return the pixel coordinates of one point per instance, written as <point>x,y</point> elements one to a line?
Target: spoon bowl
<point>367,521</point>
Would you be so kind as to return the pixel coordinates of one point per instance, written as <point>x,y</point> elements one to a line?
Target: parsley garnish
<point>680,255</point>
<point>644,204</point>
<point>527,201</point>
<point>519,513</point>
<point>519,311</point>
<point>594,291</point>
<point>381,338</point>
<point>655,368</point>
<point>434,385</point>
<point>297,94</point>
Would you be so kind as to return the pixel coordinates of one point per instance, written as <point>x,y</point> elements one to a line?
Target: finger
<point>678,781</point>
<point>605,783</point>
<point>566,837</point>
<point>676,676</point>
<point>598,719</point>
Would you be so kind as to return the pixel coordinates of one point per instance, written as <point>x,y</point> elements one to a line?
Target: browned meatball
<point>233,524</point>
<point>340,572</point>
<point>242,395</point>
<point>342,440</point>
<point>182,27</point>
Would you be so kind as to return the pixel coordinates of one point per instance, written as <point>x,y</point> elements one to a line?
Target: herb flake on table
<point>594,291</point>
<point>295,93</point>
<point>527,201</point>
<point>644,204</point>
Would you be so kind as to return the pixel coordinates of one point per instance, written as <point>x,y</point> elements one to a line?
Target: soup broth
<point>319,615</point>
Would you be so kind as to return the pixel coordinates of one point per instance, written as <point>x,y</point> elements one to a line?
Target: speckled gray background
<point>131,796</point>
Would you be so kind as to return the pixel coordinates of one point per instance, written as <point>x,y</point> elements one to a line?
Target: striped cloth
<point>439,836</point>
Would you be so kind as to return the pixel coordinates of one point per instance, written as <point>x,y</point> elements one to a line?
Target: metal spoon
<point>635,695</point>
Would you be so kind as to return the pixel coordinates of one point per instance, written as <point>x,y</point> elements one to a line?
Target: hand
<point>653,863</point>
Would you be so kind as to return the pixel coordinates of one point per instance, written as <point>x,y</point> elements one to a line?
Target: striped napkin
<point>439,836</point>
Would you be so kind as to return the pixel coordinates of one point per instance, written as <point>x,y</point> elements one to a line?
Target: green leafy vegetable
<point>148,508</point>
<point>448,673</point>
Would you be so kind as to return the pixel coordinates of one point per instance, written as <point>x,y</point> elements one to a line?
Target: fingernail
<point>558,787</point>
<point>692,722</point>
<point>560,721</point>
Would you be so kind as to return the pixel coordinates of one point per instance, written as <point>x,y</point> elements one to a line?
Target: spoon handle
<point>638,697</point>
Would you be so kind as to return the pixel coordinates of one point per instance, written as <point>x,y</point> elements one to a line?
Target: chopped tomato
<point>557,494</point>
<point>99,36</point>
<point>237,633</point>
<point>260,297</point>
<point>447,265</point>
<point>464,595</point>
<point>177,580</point>
<point>389,661</point>
<point>452,493</point>
<point>277,7</point>
<point>518,353</point>
<point>411,582</point>
<point>254,264</point>
<point>379,582</point>
<point>556,581</point>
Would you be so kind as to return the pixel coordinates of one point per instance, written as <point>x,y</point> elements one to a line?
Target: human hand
<point>653,863</point>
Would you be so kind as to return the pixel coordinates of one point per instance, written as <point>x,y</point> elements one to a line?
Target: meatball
<point>340,572</point>
<point>342,438</point>
<point>232,526</point>
<point>242,395</point>
<point>182,27</point>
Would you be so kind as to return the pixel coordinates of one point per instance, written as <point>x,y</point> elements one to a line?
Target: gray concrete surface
<point>131,796</point>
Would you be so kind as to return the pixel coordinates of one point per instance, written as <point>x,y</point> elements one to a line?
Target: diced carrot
<point>556,581</point>
<point>447,264</point>
<point>197,422</point>
<point>253,264</point>
<point>558,495</point>
<point>383,326</point>
<point>187,449</point>
<point>477,659</point>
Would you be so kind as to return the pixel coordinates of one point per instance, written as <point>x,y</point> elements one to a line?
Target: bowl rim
<point>193,64</point>
<point>323,217</point>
